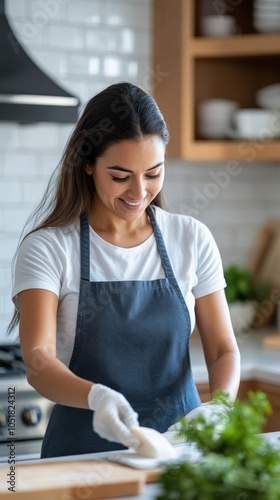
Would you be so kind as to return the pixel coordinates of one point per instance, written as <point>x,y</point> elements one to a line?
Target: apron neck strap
<point>85,247</point>
<point>161,246</point>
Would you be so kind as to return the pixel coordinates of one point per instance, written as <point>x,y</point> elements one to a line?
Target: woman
<point>109,286</point>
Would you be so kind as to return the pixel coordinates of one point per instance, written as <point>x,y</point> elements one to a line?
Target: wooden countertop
<point>152,490</point>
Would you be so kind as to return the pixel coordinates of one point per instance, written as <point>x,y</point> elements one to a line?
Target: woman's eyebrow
<point>121,169</point>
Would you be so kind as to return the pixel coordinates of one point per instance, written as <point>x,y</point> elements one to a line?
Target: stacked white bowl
<point>266,16</point>
<point>214,117</point>
<point>269,97</point>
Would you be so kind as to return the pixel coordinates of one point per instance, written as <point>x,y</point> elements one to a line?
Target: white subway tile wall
<point>85,45</point>
<point>232,203</point>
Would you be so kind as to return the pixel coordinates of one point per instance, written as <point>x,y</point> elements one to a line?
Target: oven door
<point>24,416</point>
<point>24,450</point>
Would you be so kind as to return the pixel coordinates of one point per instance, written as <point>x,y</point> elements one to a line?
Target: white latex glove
<point>113,416</point>
<point>213,412</point>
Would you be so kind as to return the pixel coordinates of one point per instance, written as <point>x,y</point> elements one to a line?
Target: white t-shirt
<point>50,259</point>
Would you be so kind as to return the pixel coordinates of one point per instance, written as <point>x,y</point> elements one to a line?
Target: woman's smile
<point>133,205</point>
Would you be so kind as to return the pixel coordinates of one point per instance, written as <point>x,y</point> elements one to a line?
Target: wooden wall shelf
<point>239,150</point>
<point>196,68</point>
<point>235,46</point>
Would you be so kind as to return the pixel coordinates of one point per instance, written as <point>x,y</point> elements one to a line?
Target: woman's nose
<point>137,189</point>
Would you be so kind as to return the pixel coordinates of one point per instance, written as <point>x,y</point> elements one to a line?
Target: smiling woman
<point>116,284</point>
<point>124,191</point>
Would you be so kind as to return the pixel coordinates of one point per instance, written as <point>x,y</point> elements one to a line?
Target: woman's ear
<point>88,168</point>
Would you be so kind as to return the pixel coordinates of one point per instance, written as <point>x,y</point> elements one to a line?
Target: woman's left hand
<point>212,411</point>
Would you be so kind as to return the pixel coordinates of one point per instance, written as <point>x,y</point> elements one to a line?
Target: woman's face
<point>128,177</point>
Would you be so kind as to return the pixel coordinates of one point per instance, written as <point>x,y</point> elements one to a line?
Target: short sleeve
<point>210,275</point>
<point>37,265</point>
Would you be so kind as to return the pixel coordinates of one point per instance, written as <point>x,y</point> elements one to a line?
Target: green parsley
<point>237,462</point>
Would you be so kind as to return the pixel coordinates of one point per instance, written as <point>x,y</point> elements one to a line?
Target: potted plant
<point>243,297</point>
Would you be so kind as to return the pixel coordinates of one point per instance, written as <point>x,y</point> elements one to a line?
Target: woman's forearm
<point>224,374</point>
<point>53,380</point>
<point>47,374</point>
<point>219,343</point>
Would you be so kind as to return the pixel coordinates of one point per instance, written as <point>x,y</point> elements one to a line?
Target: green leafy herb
<point>238,463</point>
<point>241,287</point>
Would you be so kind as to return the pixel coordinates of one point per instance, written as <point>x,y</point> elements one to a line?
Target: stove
<point>24,413</point>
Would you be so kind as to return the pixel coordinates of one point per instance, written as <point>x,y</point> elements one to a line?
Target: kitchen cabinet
<point>272,392</point>
<point>204,392</point>
<point>190,68</point>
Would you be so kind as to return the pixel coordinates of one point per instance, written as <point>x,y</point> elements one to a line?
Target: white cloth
<point>50,259</point>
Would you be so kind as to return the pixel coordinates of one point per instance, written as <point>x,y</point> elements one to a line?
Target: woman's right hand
<point>113,416</point>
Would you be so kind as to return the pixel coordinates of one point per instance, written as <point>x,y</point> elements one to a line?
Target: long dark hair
<point>123,111</point>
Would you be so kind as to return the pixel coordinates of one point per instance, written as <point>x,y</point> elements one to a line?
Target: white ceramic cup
<point>217,26</point>
<point>215,117</point>
<point>269,97</point>
<point>256,124</point>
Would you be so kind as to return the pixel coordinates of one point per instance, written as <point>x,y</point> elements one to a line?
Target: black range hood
<point>27,94</point>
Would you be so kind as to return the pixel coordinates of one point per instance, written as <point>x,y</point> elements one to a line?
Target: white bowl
<point>272,90</point>
<point>268,103</point>
<point>269,97</point>
<point>255,124</point>
<point>214,117</point>
<point>217,26</point>
<point>211,110</point>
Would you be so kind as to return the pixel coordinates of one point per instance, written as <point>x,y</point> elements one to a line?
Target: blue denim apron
<point>132,336</point>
